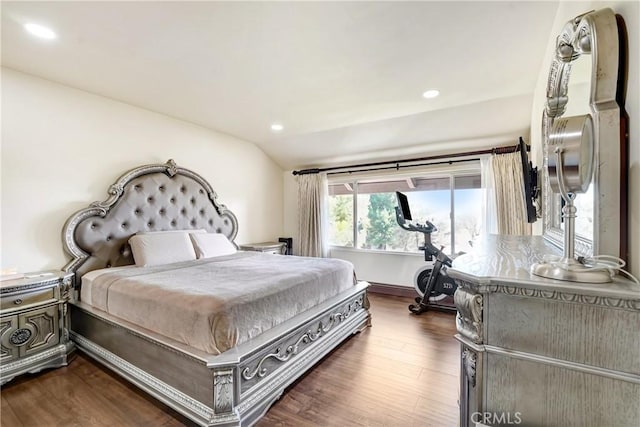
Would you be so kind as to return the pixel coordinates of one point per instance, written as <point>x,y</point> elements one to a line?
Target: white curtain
<point>489,211</point>
<point>509,194</point>
<point>312,215</point>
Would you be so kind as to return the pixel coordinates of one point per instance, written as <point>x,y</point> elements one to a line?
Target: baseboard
<point>395,290</point>
<point>405,291</point>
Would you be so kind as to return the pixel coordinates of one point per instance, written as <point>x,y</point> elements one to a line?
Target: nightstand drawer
<point>24,299</point>
<point>278,248</point>
<point>8,352</point>
<point>275,251</point>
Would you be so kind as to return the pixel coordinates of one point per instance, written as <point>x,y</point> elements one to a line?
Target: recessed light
<point>277,127</point>
<point>431,93</point>
<point>40,31</point>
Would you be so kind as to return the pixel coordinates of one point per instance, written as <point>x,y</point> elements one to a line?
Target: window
<point>453,203</point>
<point>341,215</point>
<point>467,196</point>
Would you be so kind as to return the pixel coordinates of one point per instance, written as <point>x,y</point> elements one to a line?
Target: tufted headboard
<point>155,197</point>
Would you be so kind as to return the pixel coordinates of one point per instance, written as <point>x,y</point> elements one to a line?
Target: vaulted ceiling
<point>345,79</point>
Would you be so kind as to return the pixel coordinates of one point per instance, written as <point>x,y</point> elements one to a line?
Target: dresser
<point>34,323</point>
<point>266,247</point>
<point>542,352</point>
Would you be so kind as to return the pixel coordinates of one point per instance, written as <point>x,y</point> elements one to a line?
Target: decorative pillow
<point>161,248</point>
<point>211,245</point>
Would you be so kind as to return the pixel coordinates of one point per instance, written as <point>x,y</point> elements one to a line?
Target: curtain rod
<point>397,163</point>
<point>397,166</point>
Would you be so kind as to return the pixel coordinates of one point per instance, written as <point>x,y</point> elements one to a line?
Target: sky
<point>466,201</point>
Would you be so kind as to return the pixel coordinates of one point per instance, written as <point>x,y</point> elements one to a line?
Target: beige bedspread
<point>214,304</point>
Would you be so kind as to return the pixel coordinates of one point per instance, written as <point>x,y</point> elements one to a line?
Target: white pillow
<point>211,245</point>
<point>161,248</point>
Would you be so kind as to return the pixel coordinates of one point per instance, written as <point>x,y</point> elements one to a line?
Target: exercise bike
<point>431,282</point>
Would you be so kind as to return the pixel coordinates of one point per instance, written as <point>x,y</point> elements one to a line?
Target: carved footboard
<point>236,387</point>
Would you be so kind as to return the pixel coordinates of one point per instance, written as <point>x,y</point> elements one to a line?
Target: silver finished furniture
<point>266,247</point>
<point>34,323</point>
<point>234,388</point>
<point>594,37</point>
<point>542,351</point>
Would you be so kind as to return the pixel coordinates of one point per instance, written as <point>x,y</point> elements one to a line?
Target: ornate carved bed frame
<point>234,388</point>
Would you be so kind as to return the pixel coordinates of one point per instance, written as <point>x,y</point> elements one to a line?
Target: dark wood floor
<point>401,372</point>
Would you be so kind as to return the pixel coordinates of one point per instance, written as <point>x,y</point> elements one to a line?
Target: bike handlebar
<point>428,228</point>
<point>428,248</point>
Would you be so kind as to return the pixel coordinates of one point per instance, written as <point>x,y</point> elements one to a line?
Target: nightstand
<point>279,248</point>
<point>34,323</point>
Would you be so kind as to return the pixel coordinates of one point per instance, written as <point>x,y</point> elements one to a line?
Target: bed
<point>183,331</point>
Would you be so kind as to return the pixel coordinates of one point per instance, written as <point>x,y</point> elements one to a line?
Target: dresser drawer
<point>591,334</point>
<point>24,299</point>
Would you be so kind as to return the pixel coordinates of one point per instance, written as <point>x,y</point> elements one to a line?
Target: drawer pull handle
<point>20,337</point>
<point>17,302</point>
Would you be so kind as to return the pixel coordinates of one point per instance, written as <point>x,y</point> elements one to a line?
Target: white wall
<point>379,267</point>
<point>630,11</point>
<point>290,214</point>
<point>62,148</point>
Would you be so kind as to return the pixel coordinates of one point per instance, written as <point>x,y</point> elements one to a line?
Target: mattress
<point>217,303</point>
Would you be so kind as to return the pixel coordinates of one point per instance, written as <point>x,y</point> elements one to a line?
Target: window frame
<point>448,171</point>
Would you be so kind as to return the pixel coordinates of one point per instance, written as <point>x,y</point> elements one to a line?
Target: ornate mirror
<point>583,80</point>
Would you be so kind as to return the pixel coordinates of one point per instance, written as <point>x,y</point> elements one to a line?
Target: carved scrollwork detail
<point>172,168</point>
<point>469,360</point>
<point>116,190</point>
<point>546,294</point>
<point>308,337</point>
<point>557,89</point>
<point>618,303</point>
<point>465,284</point>
<point>612,302</point>
<point>114,194</point>
<point>469,317</point>
<point>281,356</point>
<point>342,315</point>
<point>65,288</point>
<point>223,391</point>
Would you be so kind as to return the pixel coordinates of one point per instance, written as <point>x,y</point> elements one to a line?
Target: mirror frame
<point>594,33</point>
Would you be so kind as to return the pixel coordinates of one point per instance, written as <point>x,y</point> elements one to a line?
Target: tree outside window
<point>340,216</point>
<point>430,199</point>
